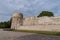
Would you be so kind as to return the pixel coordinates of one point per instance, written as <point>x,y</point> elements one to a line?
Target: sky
<point>27,7</point>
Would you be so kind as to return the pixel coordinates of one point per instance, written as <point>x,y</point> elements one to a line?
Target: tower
<point>17,20</point>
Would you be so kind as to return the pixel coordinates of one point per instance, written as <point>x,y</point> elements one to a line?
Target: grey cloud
<point>28,7</point>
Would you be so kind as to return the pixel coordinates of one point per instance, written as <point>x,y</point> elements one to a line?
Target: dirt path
<point>6,35</point>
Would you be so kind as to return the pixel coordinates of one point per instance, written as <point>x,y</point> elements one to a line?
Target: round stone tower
<point>17,20</point>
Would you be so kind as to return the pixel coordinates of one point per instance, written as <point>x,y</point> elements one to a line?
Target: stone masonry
<point>17,20</point>
<point>35,23</point>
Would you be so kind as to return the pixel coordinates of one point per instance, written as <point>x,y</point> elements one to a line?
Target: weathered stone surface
<point>17,20</point>
<point>34,23</point>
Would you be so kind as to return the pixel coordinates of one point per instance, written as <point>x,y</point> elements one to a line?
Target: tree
<point>45,13</point>
<point>6,24</point>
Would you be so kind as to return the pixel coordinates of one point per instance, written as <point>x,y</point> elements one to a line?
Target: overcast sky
<point>27,7</point>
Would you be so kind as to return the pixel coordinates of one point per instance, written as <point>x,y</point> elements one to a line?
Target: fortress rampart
<point>35,23</point>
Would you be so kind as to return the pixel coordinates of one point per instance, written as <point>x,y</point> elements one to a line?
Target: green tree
<point>6,24</point>
<point>46,13</point>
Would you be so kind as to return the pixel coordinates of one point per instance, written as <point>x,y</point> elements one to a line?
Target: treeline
<point>6,24</point>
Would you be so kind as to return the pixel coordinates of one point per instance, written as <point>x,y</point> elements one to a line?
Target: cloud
<point>27,7</point>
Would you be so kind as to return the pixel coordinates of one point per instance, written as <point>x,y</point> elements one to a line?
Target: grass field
<point>39,32</point>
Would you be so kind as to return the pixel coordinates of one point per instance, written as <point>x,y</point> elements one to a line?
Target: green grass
<point>39,32</point>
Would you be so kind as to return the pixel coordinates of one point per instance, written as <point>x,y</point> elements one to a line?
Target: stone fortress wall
<point>41,20</point>
<point>35,23</point>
